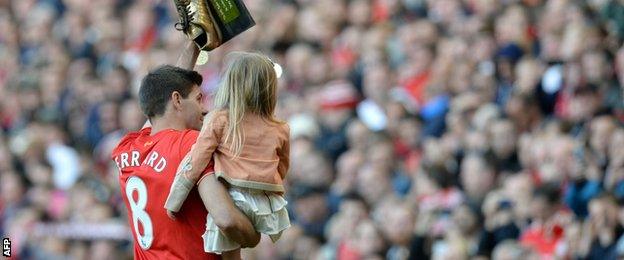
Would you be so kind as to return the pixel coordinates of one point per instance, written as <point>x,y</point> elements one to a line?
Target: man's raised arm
<point>188,57</point>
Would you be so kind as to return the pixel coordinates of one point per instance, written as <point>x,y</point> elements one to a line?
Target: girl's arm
<point>194,163</point>
<point>180,188</point>
<point>201,152</point>
<point>284,156</point>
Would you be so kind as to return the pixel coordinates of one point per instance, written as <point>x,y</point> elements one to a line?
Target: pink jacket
<point>263,161</point>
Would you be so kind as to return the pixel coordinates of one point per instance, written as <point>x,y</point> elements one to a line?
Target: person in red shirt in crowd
<point>546,230</point>
<point>148,159</point>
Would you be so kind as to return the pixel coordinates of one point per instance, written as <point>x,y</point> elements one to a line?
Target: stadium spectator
<point>480,128</point>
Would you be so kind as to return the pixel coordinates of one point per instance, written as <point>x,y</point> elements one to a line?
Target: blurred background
<point>422,129</point>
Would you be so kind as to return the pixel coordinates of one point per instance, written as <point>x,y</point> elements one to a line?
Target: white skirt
<point>266,211</point>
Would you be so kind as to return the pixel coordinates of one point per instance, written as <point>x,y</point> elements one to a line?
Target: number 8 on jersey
<point>138,211</point>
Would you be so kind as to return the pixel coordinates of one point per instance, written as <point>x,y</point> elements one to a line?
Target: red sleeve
<point>188,140</point>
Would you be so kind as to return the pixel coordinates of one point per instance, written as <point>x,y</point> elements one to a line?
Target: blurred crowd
<point>421,129</point>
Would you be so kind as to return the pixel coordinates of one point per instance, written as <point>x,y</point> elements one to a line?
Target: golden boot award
<point>210,23</point>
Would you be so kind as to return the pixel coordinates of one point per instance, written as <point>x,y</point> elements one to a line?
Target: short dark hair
<point>158,85</point>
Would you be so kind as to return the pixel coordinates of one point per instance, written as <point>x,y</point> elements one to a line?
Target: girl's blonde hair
<point>249,85</point>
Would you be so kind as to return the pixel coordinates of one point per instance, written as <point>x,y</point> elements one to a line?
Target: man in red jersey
<point>148,159</point>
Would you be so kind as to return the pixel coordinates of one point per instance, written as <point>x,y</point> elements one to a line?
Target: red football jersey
<point>147,166</point>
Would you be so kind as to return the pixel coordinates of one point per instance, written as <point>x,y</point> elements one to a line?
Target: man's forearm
<point>244,236</point>
<point>226,215</point>
<point>188,57</point>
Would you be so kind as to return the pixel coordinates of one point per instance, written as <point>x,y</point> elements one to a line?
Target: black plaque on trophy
<point>231,16</point>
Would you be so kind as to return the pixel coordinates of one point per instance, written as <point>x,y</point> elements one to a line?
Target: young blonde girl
<point>250,148</point>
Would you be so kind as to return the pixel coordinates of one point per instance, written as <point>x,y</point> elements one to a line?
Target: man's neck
<point>164,123</point>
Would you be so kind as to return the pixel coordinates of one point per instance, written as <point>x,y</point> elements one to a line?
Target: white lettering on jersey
<point>160,166</point>
<point>123,163</point>
<point>151,158</point>
<point>135,158</point>
<point>124,160</point>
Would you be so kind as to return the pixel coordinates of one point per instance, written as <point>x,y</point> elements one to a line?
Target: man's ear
<point>176,100</point>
